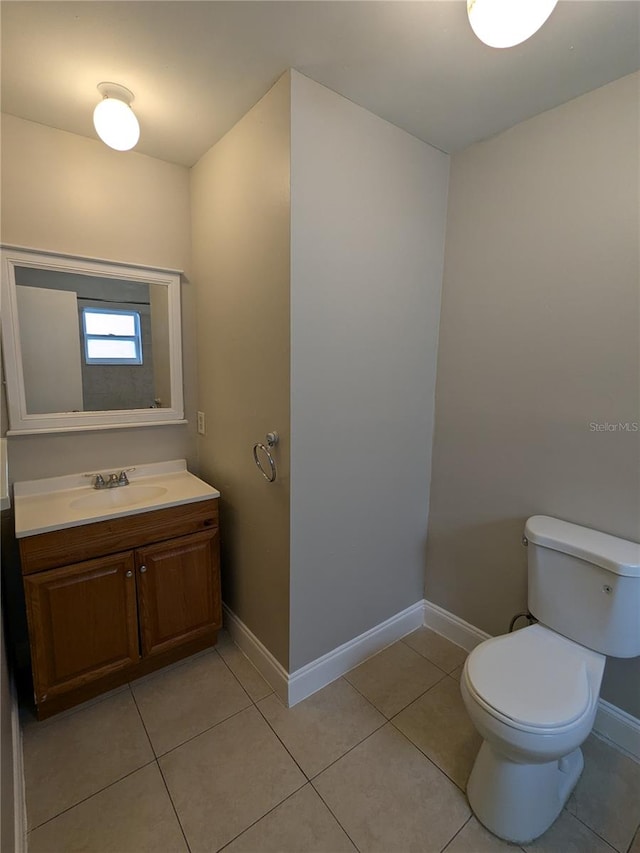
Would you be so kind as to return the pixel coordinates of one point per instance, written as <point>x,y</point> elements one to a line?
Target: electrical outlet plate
<point>201,424</point>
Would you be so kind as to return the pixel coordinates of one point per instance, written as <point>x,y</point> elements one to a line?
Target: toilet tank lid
<point>616,555</point>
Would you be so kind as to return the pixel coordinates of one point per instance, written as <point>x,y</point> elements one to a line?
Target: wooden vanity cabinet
<point>178,594</point>
<point>99,622</point>
<point>83,623</point>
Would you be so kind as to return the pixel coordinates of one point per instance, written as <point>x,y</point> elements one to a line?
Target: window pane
<point>101,323</point>
<point>111,349</point>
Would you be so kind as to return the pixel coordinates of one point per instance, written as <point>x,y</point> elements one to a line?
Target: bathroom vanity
<point>118,582</point>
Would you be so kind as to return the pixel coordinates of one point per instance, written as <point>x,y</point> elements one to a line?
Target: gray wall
<point>539,338</point>
<point>368,207</point>
<point>66,193</point>
<point>240,221</point>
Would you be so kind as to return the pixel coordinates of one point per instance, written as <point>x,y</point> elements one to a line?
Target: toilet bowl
<point>533,697</point>
<point>533,694</point>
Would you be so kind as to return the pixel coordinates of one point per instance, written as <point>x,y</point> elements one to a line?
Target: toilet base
<point>518,802</point>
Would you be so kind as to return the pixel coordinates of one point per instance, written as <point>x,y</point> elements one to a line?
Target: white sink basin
<point>120,496</point>
<point>56,503</point>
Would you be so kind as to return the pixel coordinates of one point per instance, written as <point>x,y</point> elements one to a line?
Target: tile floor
<point>204,757</point>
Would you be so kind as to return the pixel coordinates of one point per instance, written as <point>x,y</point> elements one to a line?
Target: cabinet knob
<point>143,569</point>
<point>128,574</point>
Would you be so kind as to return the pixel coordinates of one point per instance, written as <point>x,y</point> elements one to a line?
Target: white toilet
<point>533,694</point>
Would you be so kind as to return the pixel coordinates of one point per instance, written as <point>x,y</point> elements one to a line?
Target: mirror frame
<point>20,421</point>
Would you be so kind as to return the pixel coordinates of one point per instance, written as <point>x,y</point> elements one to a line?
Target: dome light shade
<point>113,118</point>
<point>505,23</point>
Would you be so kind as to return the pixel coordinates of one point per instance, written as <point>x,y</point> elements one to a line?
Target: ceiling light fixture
<point>505,23</point>
<point>113,118</point>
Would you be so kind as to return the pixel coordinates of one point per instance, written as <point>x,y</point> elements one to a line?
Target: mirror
<point>89,344</point>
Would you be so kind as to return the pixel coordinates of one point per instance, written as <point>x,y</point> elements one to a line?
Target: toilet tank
<point>585,585</point>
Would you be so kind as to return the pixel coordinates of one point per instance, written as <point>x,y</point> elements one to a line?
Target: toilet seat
<point>534,679</point>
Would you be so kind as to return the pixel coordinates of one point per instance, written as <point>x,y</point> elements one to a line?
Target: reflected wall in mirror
<point>89,344</point>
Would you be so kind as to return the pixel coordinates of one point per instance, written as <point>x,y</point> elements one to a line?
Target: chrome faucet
<point>112,481</point>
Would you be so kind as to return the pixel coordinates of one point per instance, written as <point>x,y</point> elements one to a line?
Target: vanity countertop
<point>57,503</point>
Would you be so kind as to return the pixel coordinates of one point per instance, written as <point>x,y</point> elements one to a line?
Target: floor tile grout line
<point>173,806</point>
<point>90,796</point>
<point>431,687</point>
<point>395,642</point>
<point>404,707</point>
<point>315,775</point>
<point>635,835</point>
<point>284,746</point>
<point>258,819</point>
<point>144,725</point>
<point>230,668</point>
<point>351,748</point>
<point>426,657</point>
<point>112,693</point>
<point>238,680</point>
<point>386,721</point>
<point>462,789</point>
<point>204,731</point>
<point>595,832</point>
<point>304,773</point>
<point>366,698</point>
<point>334,815</point>
<point>456,834</point>
<point>255,705</point>
<point>252,702</point>
<point>420,655</point>
<point>213,726</point>
<point>203,653</point>
<point>164,781</point>
<point>428,757</point>
<point>309,778</point>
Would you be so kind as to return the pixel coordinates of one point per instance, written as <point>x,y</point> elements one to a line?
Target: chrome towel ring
<point>272,439</point>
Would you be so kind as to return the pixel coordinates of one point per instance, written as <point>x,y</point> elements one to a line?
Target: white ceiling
<point>197,67</point>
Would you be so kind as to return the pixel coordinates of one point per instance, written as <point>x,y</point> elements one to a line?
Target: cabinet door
<point>82,623</point>
<point>178,591</point>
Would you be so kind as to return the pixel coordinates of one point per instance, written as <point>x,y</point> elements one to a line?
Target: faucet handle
<point>123,480</point>
<point>97,480</point>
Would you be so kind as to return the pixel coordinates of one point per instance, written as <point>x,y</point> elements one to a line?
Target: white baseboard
<point>452,627</point>
<point>19,798</point>
<point>618,727</point>
<point>259,655</point>
<point>296,686</point>
<point>322,671</point>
